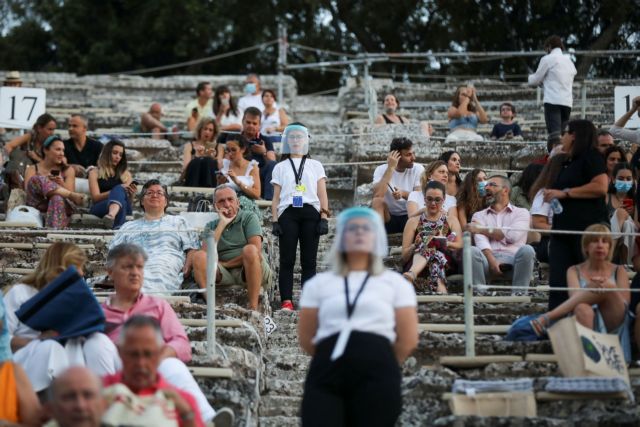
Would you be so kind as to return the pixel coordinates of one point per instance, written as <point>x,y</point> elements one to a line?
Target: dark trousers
<point>119,196</point>
<point>298,224</point>
<point>265,179</point>
<point>361,388</point>
<point>554,117</point>
<point>564,251</point>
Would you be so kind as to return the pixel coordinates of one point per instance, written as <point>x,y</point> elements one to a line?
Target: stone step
<point>288,406</point>
<point>279,421</point>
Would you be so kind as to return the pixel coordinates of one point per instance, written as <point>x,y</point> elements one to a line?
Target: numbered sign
<point>20,107</point>
<point>623,97</point>
<point>269,325</point>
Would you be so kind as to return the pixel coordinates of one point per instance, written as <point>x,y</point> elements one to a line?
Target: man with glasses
<point>167,239</point>
<point>501,252</point>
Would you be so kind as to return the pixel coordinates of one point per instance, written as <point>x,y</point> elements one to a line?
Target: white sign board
<point>623,97</point>
<point>21,106</point>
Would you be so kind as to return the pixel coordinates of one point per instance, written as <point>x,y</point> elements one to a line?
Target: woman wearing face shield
<point>299,208</point>
<point>359,322</point>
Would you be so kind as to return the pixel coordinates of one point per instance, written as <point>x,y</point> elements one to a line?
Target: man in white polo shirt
<point>393,182</point>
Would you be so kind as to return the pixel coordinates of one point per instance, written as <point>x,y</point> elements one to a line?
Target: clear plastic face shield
<point>295,140</point>
<point>360,230</point>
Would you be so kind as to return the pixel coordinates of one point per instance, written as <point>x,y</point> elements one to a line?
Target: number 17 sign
<point>20,107</point>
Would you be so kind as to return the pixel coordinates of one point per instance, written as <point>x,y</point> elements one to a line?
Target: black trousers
<point>564,251</point>
<point>298,224</point>
<point>554,117</point>
<point>361,388</point>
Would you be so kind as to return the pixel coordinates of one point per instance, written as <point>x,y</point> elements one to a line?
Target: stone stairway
<point>269,371</point>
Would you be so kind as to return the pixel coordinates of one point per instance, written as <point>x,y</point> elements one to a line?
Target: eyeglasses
<point>354,228</point>
<point>436,200</point>
<point>154,193</point>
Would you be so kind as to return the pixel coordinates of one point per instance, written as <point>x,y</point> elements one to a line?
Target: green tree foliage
<point>110,36</point>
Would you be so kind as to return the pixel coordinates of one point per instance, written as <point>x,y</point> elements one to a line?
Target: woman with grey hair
<point>359,322</point>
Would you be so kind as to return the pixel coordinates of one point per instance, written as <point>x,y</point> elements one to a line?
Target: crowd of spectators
<point>588,182</point>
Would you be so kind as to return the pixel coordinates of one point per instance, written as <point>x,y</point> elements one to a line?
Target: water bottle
<point>556,206</point>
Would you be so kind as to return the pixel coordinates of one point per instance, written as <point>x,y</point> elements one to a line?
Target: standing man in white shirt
<point>200,107</point>
<point>252,94</point>
<point>393,182</point>
<point>555,73</point>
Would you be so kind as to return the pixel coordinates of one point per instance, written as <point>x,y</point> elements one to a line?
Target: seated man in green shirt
<point>239,237</point>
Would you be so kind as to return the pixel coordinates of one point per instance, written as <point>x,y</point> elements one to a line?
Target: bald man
<point>150,122</point>
<point>75,399</point>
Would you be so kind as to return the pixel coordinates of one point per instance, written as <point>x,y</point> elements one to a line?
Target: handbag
<point>24,214</point>
<point>125,408</point>
<point>582,352</point>
<point>66,305</point>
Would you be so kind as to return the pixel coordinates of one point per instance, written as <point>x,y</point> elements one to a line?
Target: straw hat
<point>12,77</point>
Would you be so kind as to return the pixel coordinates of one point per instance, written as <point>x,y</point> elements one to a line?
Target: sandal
<point>538,326</point>
<point>410,276</point>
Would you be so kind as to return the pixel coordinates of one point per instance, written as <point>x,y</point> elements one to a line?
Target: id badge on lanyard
<point>345,333</point>
<point>300,187</point>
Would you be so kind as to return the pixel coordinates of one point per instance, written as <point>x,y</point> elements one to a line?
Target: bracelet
<point>327,212</point>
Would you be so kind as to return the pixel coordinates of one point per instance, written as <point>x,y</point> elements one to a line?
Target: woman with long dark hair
<point>26,149</point>
<point>580,187</point>
<point>471,196</point>
<point>359,323</point>
<point>50,185</point>
<point>452,159</point>
<point>464,115</point>
<point>111,185</point>
<point>622,212</point>
<point>226,111</point>
<point>299,209</point>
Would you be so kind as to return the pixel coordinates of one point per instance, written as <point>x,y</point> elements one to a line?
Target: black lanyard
<point>298,173</point>
<point>352,306</point>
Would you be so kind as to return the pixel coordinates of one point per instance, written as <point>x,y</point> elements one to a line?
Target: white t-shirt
<point>18,295</point>
<point>374,311</point>
<point>231,119</point>
<point>206,111</point>
<point>540,207</point>
<point>418,198</point>
<point>283,176</point>
<point>251,101</point>
<point>405,181</point>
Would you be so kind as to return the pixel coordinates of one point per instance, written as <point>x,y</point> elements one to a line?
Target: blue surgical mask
<point>249,88</point>
<point>481,188</point>
<point>623,186</point>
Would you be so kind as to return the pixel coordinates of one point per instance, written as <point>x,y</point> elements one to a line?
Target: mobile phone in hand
<point>55,172</point>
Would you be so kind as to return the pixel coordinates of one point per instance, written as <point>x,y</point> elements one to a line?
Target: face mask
<point>249,88</point>
<point>481,188</point>
<point>224,101</point>
<point>623,186</point>
<point>389,110</point>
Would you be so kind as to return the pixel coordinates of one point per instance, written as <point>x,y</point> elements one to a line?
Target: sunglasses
<point>433,199</point>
